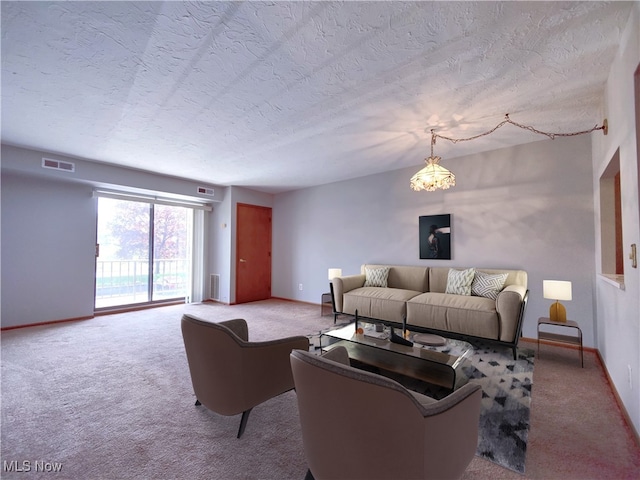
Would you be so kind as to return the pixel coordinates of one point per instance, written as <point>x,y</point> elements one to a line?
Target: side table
<point>559,338</point>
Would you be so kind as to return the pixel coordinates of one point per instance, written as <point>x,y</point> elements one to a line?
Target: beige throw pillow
<point>376,277</point>
<point>459,281</point>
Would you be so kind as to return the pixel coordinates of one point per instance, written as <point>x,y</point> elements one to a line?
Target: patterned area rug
<point>506,400</point>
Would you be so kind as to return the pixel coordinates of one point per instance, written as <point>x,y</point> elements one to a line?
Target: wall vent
<point>58,165</point>
<point>215,286</point>
<point>205,191</point>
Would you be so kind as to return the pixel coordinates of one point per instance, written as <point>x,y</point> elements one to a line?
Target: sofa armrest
<point>509,308</point>
<point>342,285</point>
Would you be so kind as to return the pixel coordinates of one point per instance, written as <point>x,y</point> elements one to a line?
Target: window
<point>144,251</point>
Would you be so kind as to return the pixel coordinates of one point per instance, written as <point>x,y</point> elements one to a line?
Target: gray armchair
<point>360,425</point>
<point>231,375</point>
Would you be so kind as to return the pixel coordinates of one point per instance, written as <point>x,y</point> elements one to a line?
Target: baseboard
<point>210,300</point>
<point>295,301</point>
<point>218,302</point>
<point>623,410</point>
<point>135,308</point>
<point>110,311</point>
<point>50,322</point>
<point>557,344</point>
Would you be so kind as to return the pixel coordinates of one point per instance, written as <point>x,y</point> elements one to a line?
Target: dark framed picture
<point>435,237</point>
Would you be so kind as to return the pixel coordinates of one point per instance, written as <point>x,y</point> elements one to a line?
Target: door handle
<point>242,260</point>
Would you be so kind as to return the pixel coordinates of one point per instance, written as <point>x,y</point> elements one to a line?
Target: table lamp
<point>557,290</point>
<point>334,272</point>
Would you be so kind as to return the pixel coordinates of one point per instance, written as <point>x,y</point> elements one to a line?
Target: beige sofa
<point>417,294</point>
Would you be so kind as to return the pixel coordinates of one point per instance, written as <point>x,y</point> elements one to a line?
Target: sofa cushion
<point>376,277</point>
<point>464,314</point>
<point>380,303</point>
<point>459,281</point>
<point>488,285</point>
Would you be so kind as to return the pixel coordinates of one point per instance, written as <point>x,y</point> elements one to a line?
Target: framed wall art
<point>435,237</point>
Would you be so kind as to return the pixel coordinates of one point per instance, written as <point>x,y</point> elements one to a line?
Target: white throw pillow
<point>459,281</point>
<point>376,277</point>
<point>488,285</point>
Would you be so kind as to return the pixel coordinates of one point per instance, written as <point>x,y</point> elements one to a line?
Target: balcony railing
<point>123,282</point>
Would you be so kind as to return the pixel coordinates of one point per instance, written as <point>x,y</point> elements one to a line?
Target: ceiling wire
<point>506,120</point>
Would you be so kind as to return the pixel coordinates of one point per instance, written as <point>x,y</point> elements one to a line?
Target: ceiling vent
<point>58,165</point>
<point>205,191</point>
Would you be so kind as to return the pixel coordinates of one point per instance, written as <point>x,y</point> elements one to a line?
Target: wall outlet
<point>299,286</point>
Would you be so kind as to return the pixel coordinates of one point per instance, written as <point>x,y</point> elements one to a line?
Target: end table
<point>559,338</point>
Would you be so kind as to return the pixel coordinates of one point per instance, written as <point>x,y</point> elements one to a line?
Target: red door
<point>253,253</point>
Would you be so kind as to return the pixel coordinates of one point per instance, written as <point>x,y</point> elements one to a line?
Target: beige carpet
<point>111,398</point>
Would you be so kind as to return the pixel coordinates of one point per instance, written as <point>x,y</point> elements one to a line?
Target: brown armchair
<point>360,425</point>
<point>231,375</point>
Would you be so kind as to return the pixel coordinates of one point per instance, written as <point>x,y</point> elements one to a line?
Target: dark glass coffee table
<point>439,365</point>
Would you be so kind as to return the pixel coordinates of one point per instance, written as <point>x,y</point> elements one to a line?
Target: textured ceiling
<point>283,95</point>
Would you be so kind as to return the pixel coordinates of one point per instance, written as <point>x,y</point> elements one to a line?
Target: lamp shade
<point>433,177</point>
<point>556,289</point>
<point>334,272</point>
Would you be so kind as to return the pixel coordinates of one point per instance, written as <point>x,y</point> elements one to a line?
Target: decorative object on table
<point>429,339</point>
<point>395,338</point>
<point>376,331</point>
<point>435,237</point>
<point>434,176</point>
<point>557,290</point>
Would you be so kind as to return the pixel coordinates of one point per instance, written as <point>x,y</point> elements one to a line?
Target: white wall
<point>528,207</point>
<point>618,312</point>
<point>103,175</point>
<point>48,246</point>
<point>220,245</point>
<point>49,232</point>
<point>223,236</point>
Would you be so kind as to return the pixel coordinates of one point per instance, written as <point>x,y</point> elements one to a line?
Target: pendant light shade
<point>432,177</point>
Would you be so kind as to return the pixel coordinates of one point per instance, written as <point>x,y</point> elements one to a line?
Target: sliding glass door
<point>171,253</point>
<point>143,252</point>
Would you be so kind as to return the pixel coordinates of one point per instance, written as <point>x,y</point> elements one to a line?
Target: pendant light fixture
<point>434,175</point>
